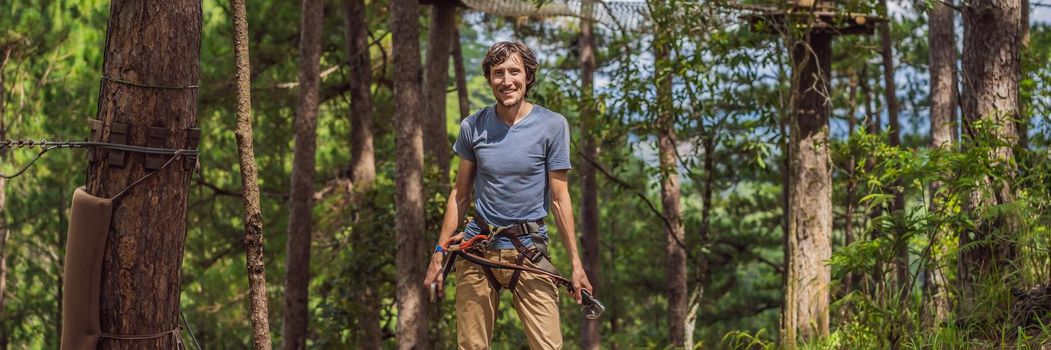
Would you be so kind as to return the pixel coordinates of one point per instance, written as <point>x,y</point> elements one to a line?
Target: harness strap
<point>502,265</point>
<point>518,273</point>
<point>492,278</point>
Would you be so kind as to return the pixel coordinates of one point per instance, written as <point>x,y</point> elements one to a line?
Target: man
<point>515,155</point>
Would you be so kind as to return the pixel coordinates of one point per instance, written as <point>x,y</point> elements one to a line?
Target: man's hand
<point>580,282</point>
<point>434,274</point>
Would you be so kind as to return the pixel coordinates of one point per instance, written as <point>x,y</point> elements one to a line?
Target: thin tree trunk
<point>873,124</point>
<point>259,309</point>
<point>901,264</point>
<point>143,256</point>
<point>461,75</point>
<point>410,258</point>
<point>990,92</point>
<point>363,158</point>
<point>4,233</point>
<point>589,249</point>
<point>439,48</point>
<point>300,221</point>
<point>705,236</point>
<point>363,163</point>
<point>942,56</point>
<point>1023,111</point>
<point>848,225</point>
<point>806,307</point>
<point>675,260</point>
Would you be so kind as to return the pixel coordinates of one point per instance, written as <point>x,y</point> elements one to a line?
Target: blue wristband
<point>438,249</point>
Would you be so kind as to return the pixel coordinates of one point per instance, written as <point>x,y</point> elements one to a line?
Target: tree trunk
<point>675,260</point>
<point>300,221</point>
<point>461,75</point>
<point>848,216</point>
<point>990,92</point>
<point>705,236</point>
<point>1024,117</point>
<point>901,264</point>
<point>942,58</point>
<point>410,259</point>
<point>806,307</point>
<point>363,162</point>
<point>439,48</point>
<point>873,123</point>
<point>4,233</point>
<point>590,329</point>
<point>259,309</point>
<point>143,256</point>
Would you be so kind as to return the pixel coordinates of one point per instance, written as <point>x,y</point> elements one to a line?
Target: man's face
<point>508,80</point>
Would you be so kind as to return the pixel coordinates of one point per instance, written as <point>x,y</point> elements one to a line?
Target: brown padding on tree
<point>89,220</point>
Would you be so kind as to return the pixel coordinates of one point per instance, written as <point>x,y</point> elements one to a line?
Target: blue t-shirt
<point>511,165</point>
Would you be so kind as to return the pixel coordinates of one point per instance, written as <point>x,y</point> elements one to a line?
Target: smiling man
<point>514,155</point>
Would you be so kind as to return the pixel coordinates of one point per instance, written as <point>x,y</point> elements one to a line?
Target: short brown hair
<point>500,51</point>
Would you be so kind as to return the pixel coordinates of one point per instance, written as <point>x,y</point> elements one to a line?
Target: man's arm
<point>455,209</point>
<point>562,205</point>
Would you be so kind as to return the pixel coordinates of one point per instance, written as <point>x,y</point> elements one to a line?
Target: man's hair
<point>503,50</point>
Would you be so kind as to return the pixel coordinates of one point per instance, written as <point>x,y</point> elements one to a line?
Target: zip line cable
<point>46,146</point>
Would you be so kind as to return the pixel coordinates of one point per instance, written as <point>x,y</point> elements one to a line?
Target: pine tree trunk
<point>4,233</point>
<point>806,308</point>
<point>410,258</point>
<point>943,122</point>
<point>143,256</point>
<point>1024,118</point>
<point>990,92</point>
<point>873,125</point>
<point>461,76</point>
<point>300,222</point>
<point>901,264</point>
<point>363,162</point>
<point>259,309</point>
<point>589,249</point>
<point>848,216</point>
<point>439,48</point>
<point>675,260</point>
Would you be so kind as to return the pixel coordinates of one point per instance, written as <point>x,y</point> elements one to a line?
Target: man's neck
<point>511,115</point>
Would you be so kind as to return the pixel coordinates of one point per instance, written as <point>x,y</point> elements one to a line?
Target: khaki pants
<point>535,300</point>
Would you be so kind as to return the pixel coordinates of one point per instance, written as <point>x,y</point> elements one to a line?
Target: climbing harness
<point>472,250</point>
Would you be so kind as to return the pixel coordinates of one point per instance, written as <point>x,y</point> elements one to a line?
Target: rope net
<point>627,14</point>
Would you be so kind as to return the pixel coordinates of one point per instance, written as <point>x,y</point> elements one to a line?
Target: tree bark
<point>439,48</point>
<point>675,260</point>
<point>590,329</point>
<point>848,216</point>
<point>1023,110</point>
<point>806,309</point>
<point>461,76</point>
<point>991,67</point>
<point>901,264</point>
<point>301,222</point>
<point>143,256</point>
<point>4,233</point>
<point>410,258</point>
<point>873,123</point>
<point>363,163</point>
<point>259,309</point>
<point>363,158</point>
<point>942,57</point>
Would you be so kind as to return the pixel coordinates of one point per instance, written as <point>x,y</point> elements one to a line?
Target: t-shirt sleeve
<point>558,149</point>
<point>463,145</point>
